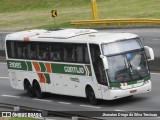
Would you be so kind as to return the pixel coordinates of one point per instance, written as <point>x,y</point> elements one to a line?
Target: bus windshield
<point>127,61</point>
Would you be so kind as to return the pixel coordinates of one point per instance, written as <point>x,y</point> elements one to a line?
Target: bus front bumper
<point>120,93</point>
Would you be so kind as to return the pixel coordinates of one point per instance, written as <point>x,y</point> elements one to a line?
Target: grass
<point>30,14</point>
<point>16,118</point>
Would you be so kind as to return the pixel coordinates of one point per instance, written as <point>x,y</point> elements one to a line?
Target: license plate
<point>133,91</point>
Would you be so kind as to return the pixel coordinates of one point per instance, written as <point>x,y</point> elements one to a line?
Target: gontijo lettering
<point>73,69</point>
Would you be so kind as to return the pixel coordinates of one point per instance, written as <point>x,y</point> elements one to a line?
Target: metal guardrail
<point>47,113</point>
<point>118,22</point>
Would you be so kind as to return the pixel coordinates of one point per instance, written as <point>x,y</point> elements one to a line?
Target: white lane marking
<point>64,103</point>
<point>155,39</point>
<point>118,110</point>
<point>49,119</point>
<point>11,96</point>
<point>3,63</point>
<point>90,106</point>
<point>155,73</point>
<point>42,100</point>
<point>39,118</point>
<point>4,77</point>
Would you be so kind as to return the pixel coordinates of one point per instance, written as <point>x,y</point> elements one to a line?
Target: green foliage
<point>23,5</point>
<point>16,118</point>
<point>30,14</point>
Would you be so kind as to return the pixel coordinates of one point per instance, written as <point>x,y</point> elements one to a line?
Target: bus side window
<point>69,53</point>
<point>82,54</point>
<point>11,49</point>
<point>97,64</point>
<point>56,52</point>
<point>22,50</point>
<point>79,54</point>
<point>32,50</point>
<point>43,51</point>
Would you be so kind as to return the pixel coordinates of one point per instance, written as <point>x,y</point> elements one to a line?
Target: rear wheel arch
<point>35,82</point>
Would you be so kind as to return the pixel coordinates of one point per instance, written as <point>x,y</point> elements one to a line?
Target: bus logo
<point>79,70</point>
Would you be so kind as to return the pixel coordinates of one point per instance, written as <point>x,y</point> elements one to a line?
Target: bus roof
<point>69,36</point>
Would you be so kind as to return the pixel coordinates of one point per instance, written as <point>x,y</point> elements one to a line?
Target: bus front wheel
<point>91,96</point>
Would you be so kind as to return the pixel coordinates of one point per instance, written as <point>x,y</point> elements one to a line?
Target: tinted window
<point>43,51</point>
<point>56,52</point>
<point>11,49</point>
<point>60,52</point>
<point>75,53</point>
<point>97,64</point>
<point>32,50</point>
<point>22,50</point>
<point>82,54</point>
<point>69,53</point>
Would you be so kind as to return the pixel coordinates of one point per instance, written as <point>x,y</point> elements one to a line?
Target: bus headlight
<point>146,82</point>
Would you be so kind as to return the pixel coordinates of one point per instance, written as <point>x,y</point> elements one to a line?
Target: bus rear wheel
<point>91,96</point>
<point>30,90</point>
<point>37,90</point>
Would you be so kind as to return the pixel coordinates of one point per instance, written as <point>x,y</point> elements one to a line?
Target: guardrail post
<point>94,9</point>
<point>16,108</point>
<point>74,118</point>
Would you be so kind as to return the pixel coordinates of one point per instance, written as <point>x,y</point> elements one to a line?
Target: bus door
<point>99,69</point>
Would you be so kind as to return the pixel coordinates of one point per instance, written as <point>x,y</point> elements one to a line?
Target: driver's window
<point>97,64</point>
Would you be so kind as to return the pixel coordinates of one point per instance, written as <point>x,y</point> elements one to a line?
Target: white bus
<point>78,62</point>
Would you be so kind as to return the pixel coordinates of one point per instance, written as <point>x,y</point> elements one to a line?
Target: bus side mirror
<point>105,62</point>
<point>150,51</point>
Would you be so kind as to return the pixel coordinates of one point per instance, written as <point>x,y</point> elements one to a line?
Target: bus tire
<point>91,96</point>
<point>29,88</point>
<point>37,89</point>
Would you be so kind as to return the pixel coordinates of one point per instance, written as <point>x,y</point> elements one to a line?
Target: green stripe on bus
<point>47,78</point>
<point>70,69</point>
<point>43,68</point>
<point>84,70</point>
<point>115,84</point>
<point>147,78</point>
<point>29,64</point>
<point>130,83</point>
